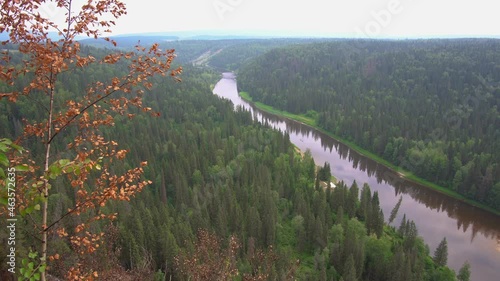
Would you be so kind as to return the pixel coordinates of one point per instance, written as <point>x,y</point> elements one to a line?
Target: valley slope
<point>428,106</point>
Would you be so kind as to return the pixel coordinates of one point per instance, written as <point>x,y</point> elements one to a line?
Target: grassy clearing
<point>267,108</point>
<point>406,174</point>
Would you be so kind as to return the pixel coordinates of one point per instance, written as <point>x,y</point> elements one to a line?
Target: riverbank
<point>333,179</point>
<point>403,173</point>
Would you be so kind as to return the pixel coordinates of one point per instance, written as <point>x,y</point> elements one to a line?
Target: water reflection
<point>472,234</point>
<point>484,222</point>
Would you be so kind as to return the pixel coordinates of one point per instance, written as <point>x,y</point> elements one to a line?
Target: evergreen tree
<point>464,272</point>
<point>397,265</point>
<point>340,215</point>
<point>410,236</point>
<point>352,200</point>
<point>395,210</point>
<point>375,216</point>
<point>365,202</point>
<point>324,173</point>
<point>379,224</point>
<point>441,253</point>
<point>402,226</point>
<point>349,273</point>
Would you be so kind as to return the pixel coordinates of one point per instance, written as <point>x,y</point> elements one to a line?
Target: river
<point>472,234</point>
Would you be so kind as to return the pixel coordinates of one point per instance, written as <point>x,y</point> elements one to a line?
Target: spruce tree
<point>349,273</point>
<point>464,272</point>
<point>365,202</point>
<point>379,224</point>
<point>395,210</point>
<point>352,200</point>
<point>402,226</point>
<point>441,253</point>
<point>340,215</point>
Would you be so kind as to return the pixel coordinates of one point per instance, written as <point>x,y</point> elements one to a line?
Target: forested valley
<point>427,106</point>
<point>232,199</point>
<point>221,55</point>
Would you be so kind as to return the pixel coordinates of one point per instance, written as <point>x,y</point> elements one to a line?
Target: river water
<point>472,234</point>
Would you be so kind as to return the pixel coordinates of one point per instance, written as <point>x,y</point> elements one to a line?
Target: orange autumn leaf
<point>79,118</point>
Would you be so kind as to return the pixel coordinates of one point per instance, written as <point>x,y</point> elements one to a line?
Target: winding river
<point>473,234</point>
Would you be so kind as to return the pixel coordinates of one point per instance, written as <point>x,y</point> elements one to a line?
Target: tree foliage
<point>210,261</point>
<point>464,272</point>
<point>83,153</point>
<point>441,253</point>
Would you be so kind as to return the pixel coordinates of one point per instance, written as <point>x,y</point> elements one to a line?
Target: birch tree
<point>44,61</point>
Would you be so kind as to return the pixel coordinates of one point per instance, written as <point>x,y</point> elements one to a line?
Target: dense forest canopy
<point>428,106</point>
<point>214,169</point>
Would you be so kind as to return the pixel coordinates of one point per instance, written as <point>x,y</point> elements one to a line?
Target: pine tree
<point>375,219</point>
<point>316,183</point>
<point>397,265</point>
<point>340,215</point>
<point>379,225</point>
<point>402,226</point>
<point>441,253</point>
<point>324,173</point>
<point>410,236</point>
<point>349,273</point>
<point>352,200</point>
<point>395,210</point>
<point>464,272</point>
<point>365,202</point>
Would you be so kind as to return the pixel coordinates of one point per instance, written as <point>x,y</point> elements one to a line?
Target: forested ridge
<point>428,106</point>
<point>216,174</point>
<point>224,54</point>
<point>239,52</point>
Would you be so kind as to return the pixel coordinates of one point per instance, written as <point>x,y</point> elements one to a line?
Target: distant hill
<point>232,57</point>
<point>429,106</point>
<point>52,35</point>
<point>128,41</point>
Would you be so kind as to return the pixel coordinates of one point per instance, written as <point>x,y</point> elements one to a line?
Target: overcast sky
<point>346,18</point>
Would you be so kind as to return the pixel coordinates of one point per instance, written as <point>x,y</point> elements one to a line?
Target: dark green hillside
<point>234,56</point>
<point>428,106</point>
